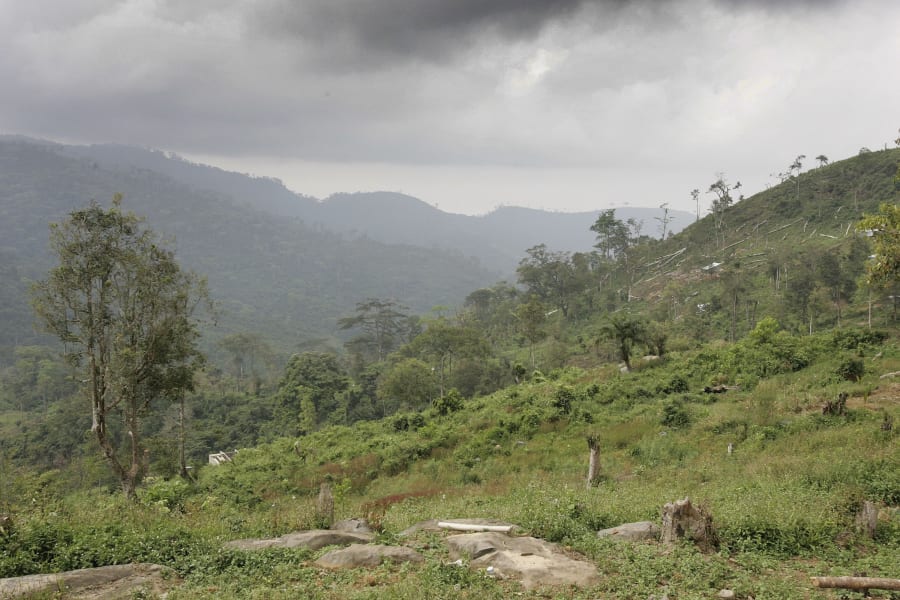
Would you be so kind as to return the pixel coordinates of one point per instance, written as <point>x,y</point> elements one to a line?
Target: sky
<point>568,105</point>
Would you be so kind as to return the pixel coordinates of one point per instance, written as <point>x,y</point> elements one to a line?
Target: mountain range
<point>278,263</point>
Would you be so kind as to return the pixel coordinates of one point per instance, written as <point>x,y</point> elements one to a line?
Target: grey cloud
<point>422,81</point>
<point>366,34</point>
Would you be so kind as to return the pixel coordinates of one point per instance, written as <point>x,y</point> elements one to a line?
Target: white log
<point>857,583</point>
<point>474,527</point>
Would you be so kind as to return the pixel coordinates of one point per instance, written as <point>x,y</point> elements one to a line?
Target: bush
<point>675,415</point>
<point>851,369</point>
<point>851,339</point>
<point>165,494</point>
<point>451,402</point>
<point>563,400</point>
<point>677,384</point>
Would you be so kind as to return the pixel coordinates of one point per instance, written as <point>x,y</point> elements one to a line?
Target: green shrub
<point>167,494</point>
<point>851,369</point>
<point>881,481</point>
<point>851,339</point>
<point>676,384</point>
<point>563,400</point>
<point>451,402</point>
<point>675,415</point>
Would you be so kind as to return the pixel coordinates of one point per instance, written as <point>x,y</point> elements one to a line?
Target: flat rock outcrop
<point>368,555</point>
<point>313,540</point>
<point>355,525</point>
<point>632,532</point>
<point>100,583</point>
<point>532,561</point>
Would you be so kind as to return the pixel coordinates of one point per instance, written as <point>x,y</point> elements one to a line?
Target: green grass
<point>783,503</point>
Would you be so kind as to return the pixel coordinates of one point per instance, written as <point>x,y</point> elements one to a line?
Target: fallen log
<point>474,527</point>
<point>857,583</point>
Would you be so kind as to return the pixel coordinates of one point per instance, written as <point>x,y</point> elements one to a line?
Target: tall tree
<point>443,340</point>
<point>124,309</point>
<point>721,189</point>
<point>531,317</point>
<point>551,276</point>
<point>384,325</point>
<point>794,171</point>
<point>612,234</point>
<point>664,220</point>
<point>250,355</point>
<point>695,194</point>
<point>733,288</point>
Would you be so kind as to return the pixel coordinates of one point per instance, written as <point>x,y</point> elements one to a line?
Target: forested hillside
<point>274,276</point>
<point>496,239</point>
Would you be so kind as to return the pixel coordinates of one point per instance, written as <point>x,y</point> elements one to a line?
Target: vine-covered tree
<point>309,391</point>
<point>124,309</point>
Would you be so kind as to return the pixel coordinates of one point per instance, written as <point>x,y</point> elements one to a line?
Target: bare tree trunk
<point>325,506</point>
<point>593,476</point>
<point>867,519</point>
<point>182,463</point>
<point>870,309</point>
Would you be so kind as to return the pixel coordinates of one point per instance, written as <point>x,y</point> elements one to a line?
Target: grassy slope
<point>783,503</point>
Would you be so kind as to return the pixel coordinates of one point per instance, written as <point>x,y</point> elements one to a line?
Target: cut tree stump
<point>681,519</point>
<point>593,476</point>
<point>867,519</point>
<point>325,506</point>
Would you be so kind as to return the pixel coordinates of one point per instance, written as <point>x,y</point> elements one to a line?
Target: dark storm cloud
<point>558,83</point>
<point>366,33</point>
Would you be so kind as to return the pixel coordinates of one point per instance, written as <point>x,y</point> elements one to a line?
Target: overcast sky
<point>467,104</point>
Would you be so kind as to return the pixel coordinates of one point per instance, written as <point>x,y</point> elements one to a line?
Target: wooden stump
<point>325,506</point>
<point>6,525</point>
<point>593,476</point>
<point>867,519</point>
<point>681,519</point>
<point>837,407</point>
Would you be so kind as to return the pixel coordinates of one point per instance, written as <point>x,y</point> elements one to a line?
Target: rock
<point>531,561</point>
<point>253,544</point>
<point>369,555</point>
<point>632,532</point>
<point>352,526</point>
<point>432,525</point>
<point>118,581</point>
<point>725,594</point>
<point>313,540</point>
